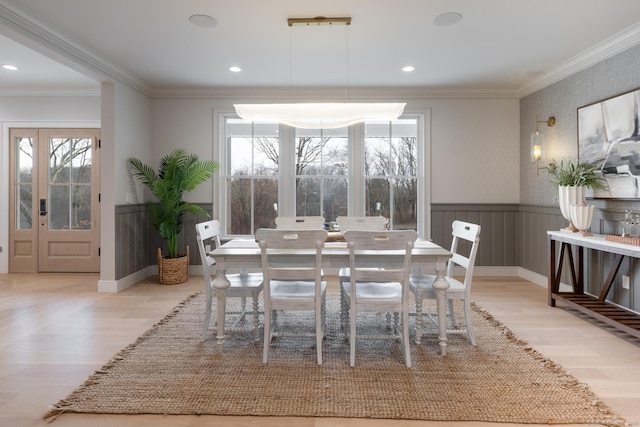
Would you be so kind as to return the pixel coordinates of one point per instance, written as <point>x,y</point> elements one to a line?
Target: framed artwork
<point>609,138</point>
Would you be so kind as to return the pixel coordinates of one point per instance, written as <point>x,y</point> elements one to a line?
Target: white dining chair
<point>371,223</point>
<point>242,285</point>
<point>361,223</point>
<point>379,290</point>
<point>292,283</point>
<point>463,257</point>
<point>300,222</point>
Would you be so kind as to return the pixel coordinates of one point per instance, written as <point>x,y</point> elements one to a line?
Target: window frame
<point>286,168</point>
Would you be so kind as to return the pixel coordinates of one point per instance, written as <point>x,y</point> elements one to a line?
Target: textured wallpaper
<point>613,76</point>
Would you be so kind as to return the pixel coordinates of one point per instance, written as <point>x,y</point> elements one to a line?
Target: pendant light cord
<point>348,65</point>
<point>291,63</point>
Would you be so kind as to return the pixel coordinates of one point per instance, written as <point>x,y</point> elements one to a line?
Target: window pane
<point>24,206</point>
<point>308,155</point>
<point>24,181</point>
<point>58,207</point>
<point>81,207</point>
<point>405,194</point>
<point>59,154</point>
<point>81,161</point>
<point>240,157</point>
<point>266,199</point>
<point>239,213</point>
<point>308,197</point>
<point>335,198</point>
<point>378,197</point>
<point>266,156</point>
<point>253,148</point>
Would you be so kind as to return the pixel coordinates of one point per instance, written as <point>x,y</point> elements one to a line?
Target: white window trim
<point>356,205</point>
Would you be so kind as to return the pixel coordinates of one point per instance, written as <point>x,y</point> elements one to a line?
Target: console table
<point>596,307</point>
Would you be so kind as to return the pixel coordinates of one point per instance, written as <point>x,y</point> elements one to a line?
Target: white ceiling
<point>499,46</point>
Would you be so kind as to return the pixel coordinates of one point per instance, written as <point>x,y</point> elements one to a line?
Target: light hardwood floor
<point>56,330</point>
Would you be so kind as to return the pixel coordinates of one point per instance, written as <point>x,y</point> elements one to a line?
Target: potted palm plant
<point>179,172</point>
<point>572,178</point>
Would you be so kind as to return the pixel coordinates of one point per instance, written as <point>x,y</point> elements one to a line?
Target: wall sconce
<point>537,142</point>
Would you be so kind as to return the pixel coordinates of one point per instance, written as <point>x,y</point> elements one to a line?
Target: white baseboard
<point>531,276</point>
<point>115,286</point>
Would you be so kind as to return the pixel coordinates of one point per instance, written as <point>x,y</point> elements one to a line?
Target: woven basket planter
<point>173,271</point>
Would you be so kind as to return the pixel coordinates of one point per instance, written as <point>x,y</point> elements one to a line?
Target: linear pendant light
<point>325,115</point>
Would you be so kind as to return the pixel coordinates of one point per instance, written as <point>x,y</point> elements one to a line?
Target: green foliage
<point>178,172</point>
<point>575,173</point>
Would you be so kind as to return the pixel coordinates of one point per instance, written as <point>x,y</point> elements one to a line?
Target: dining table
<point>242,254</point>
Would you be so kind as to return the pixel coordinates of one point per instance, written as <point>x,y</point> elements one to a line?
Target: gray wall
<point>137,242</point>
<point>538,201</point>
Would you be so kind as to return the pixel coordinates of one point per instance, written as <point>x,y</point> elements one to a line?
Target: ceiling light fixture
<point>320,115</point>
<point>408,68</point>
<point>203,21</point>
<point>9,67</point>
<point>447,19</point>
<point>235,69</point>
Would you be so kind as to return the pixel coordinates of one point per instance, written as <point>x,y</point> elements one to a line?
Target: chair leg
<point>405,338</point>
<point>467,319</point>
<point>396,323</point>
<point>207,318</point>
<point>352,335</point>
<point>256,319</point>
<point>343,308</point>
<point>319,332</point>
<point>419,319</point>
<point>452,315</point>
<point>347,321</point>
<point>267,334</point>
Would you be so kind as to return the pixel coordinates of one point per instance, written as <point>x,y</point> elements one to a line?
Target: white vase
<point>567,197</point>
<point>581,217</point>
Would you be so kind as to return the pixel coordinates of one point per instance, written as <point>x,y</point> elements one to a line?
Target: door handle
<point>43,207</point>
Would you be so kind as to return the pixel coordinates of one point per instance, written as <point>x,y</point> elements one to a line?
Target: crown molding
<point>47,91</point>
<point>64,51</point>
<point>618,43</point>
<point>324,94</point>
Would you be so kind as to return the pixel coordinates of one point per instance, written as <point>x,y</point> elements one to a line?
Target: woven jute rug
<point>170,371</point>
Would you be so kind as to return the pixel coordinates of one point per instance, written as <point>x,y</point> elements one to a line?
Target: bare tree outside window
<point>391,170</point>
<point>319,172</point>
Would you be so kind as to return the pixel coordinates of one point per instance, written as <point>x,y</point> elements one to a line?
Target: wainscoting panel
<point>137,242</point>
<point>533,226</point>
<point>512,235</point>
<point>498,236</point>
<point>133,240</point>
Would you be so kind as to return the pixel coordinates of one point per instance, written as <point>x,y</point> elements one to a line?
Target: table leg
<point>441,286</point>
<point>220,284</point>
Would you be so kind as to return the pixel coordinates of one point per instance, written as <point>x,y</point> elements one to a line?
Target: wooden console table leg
<point>611,277</point>
<point>552,282</point>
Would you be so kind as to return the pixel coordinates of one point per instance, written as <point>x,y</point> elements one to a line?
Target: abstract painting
<point>608,137</point>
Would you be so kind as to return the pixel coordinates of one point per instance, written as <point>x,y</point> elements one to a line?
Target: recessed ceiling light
<point>204,21</point>
<point>9,67</point>
<point>235,69</point>
<point>447,19</point>
<point>408,69</point>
